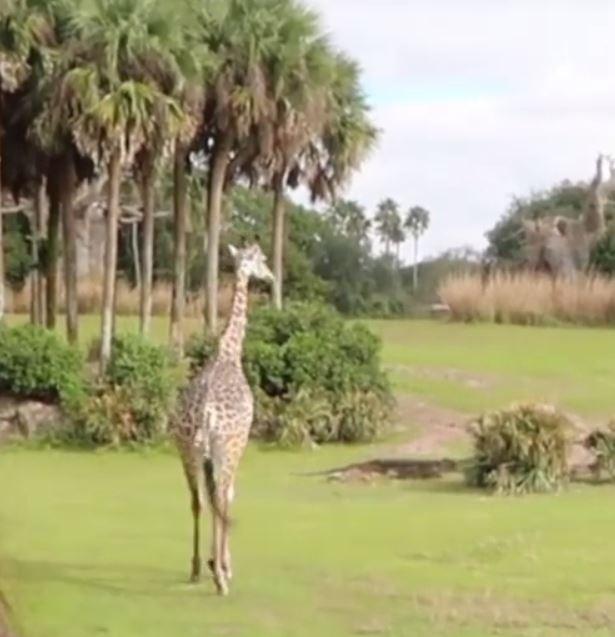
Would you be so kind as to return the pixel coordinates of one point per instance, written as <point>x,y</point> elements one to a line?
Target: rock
<point>439,310</point>
<point>22,418</point>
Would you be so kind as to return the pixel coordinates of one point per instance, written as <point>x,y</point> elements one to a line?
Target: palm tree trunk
<point>147,253</point>
<point>2,300</point>
<point>53,236</point>
<point>215,192</point>
<point>36,230</point>
<point>110,259</point>
<point>180,211</point>
<point>69,236</point>
<point>278,242</point>
<point>415,269</point>
<point>136,258</point>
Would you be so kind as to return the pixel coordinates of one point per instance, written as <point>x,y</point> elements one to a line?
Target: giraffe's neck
<point>231,342</point>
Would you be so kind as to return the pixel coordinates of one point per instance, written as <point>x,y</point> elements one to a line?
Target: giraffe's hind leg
<point>194,479</point>
<point>219,508</point>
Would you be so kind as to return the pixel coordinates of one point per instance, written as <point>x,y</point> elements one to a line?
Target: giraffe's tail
<point>211,488</point>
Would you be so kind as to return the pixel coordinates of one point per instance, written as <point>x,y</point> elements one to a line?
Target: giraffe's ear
<point>233,250</point>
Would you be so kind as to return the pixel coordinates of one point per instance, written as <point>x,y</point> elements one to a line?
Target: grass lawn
<point>478,366</point>
<point>98,543</point>
<point>473,367</point>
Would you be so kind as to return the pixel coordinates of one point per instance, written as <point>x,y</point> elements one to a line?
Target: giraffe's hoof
<point>195,572</point>
<point>221,587</point>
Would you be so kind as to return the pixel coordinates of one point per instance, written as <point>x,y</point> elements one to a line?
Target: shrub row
<point>315,377</point>
<point>128,404</point>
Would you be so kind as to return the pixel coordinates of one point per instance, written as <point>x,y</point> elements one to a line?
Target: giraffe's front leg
<point>197,507</point>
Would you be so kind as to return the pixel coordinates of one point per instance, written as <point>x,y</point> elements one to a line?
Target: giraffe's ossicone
<point>212,421</point>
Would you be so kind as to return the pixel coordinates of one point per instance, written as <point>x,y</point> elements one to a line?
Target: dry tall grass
<point>530,299</point>
<point>127,302</point>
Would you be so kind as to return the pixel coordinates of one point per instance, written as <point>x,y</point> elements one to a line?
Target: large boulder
<point>22,418</point>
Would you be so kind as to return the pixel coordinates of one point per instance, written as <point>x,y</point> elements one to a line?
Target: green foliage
<point>199,350</point>
<point>35,363</point>
<point>506,237</point>
<point>520,450</point>
<point>316,378</point>
<point>601,443</point>
<point>603,255</point>
<point>131,402</point>
<point>18,258</point>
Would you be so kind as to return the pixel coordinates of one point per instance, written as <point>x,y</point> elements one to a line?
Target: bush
<point>132,400</point>
<point>520,450</point>
<point>602,444</point>
<point>199,350</point>
<point>316,378</point>
<point>35,363</point>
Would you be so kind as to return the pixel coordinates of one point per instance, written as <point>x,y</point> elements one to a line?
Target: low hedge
<point>35,363</point>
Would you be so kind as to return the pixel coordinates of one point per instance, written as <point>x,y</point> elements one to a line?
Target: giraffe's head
<point>251,262</point>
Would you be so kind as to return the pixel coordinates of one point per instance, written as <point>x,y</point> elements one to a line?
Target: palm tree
<point>348,135</point>
<point>197,64</point>
<point>240,106</point>
<point>114,110</point>
<point>234,105</point>
<point>398,236</point>
<point>417,222</point>
<point>300,73</point>
<point>23,30</point>
<point>158,65</point>
<point>388,221</point>
<point>349,218</point>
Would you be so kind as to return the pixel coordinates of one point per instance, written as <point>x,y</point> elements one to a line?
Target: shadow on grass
<point>122,580</point>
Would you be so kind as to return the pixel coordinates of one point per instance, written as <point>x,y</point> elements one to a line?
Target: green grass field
<point>98,543</point>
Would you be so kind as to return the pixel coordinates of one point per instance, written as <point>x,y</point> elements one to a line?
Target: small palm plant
<point>601,443</point>
<point>520,450</point>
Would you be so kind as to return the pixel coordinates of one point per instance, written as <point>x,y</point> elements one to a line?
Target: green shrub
<point>601,443</point>
<point>198,350</point>
<point>316,378</point>
<point>35,363</point>
<point>520,450</point>
<point>131,402</point>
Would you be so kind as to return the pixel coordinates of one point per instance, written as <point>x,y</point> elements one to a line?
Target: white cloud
<point>478,100</point>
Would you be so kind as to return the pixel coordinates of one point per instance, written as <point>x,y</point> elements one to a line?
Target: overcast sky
<point>478,100</point>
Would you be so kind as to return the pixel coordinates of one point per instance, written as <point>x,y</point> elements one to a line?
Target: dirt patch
<point>393,468</point>
<point>438,427</point>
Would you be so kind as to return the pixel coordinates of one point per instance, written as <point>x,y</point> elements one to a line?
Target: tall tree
<point>398,236</point>
<point>24,28</point>
<point>300,73</point>
<point>417,222</point>
<point>387,221</point>
<point>197,64</point>
<point>115,110</point>
<point>240,106</point>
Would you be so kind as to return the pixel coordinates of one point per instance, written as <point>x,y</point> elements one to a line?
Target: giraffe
<point>212,422</point>
<point>563,246</point>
